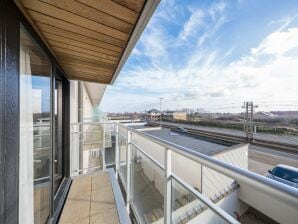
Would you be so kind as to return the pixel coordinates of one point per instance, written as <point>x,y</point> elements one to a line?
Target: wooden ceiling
<point>88,37</point>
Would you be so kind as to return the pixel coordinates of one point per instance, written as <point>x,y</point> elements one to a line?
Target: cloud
<point>285,22</point>
<point>278,43</point>
<point>196,20</point>
<point>216,9</point>
<point>204,22</point>
<point>204,76</point>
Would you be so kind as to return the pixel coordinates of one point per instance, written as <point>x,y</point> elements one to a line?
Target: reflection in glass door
<point>35,133</point>
<point>58,154</point>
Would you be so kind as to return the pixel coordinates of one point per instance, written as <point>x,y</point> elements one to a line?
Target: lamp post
<point>160,101</point>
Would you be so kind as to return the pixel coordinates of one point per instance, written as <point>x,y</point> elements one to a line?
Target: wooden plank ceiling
<point>88,37</point>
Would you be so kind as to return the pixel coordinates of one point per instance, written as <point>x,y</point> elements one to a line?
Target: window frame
<point>11,21</point>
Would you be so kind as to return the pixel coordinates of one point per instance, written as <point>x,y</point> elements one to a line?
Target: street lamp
<point>160,101</point>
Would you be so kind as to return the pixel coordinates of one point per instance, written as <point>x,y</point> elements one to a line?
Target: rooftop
<point>200,145</point>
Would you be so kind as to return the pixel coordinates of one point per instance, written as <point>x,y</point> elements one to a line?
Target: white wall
<point>213,181</point>
<point>273,207</point>
<point>156,151</point>
<point>190,171</point>
<point>230,204</point>
<point>87,104</point>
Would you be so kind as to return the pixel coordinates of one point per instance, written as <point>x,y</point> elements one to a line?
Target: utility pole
<point>248,119</point>
<point>160,119</point>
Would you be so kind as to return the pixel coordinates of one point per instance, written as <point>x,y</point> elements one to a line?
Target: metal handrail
<point>94,143</point>
<point>122,135</point>
<point>82,132</point>
<point>206,201</point>
<point>201,197</point>
<point>93,123</point>
<point>148,156</point>
<point>280,190</point>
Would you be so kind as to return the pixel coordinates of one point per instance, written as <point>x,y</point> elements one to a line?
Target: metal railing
<point>155,194</point>
<point>149,185</point>
<point>94,144</point>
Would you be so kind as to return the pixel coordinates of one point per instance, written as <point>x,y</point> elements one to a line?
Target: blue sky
<point>212,55</point>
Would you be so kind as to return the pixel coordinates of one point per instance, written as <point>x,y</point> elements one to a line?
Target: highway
<point>281,143</point>
<point>287,139</point>
<point>260,159</point>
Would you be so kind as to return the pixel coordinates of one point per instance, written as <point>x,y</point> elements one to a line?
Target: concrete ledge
<point>121,208</point>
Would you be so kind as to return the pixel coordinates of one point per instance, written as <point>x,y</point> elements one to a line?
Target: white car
<point>284,174</point>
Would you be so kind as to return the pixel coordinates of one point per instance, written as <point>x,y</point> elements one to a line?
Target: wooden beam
<point>81,37</point>
<point>55,44</point>
<point>83,55</point>
<point>132,4</point>
<point>88,71</point>
<point>91,13</point>
<point>69,17</point>
<point>114,9</point>
<point>74,28</point>
<point>66,40</point>
<point>78,59</point>
<point>80,66</point>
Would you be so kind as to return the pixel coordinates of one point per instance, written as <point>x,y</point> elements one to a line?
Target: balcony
<point>158,186</point>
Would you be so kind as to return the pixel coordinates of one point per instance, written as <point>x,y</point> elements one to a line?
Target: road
<point>260,159</point>
<point>286,139</point>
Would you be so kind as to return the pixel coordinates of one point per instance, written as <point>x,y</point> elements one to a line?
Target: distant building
<point>153,114</point>
<point>264,115</point>
<point>175,115</point>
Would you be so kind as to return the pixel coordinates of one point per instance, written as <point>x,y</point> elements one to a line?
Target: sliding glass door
<point>35,132</point>
<point>44,128</point>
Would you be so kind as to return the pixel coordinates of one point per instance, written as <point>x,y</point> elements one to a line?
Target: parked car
<point>284,174</point>
<point>180,129</point>
<point>149,124</point>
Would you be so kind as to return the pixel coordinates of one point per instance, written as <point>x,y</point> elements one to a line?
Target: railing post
<point>202,178</point>
<point>168,186</point>
<point>117,153</point>
<point>81,147</point>
<point>104,148</point>
<point>128,171</point>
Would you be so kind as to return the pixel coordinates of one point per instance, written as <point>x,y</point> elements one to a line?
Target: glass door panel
<point>35,133</point>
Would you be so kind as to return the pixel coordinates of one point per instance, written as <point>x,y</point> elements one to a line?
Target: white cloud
<point>267,72</point>
<point>205,80</point>
<point>196,20</point>
<point>278,43</point>
<point>285,22</point>
<point>217,9</point>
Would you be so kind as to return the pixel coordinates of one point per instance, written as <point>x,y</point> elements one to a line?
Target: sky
<point>212,55</point>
